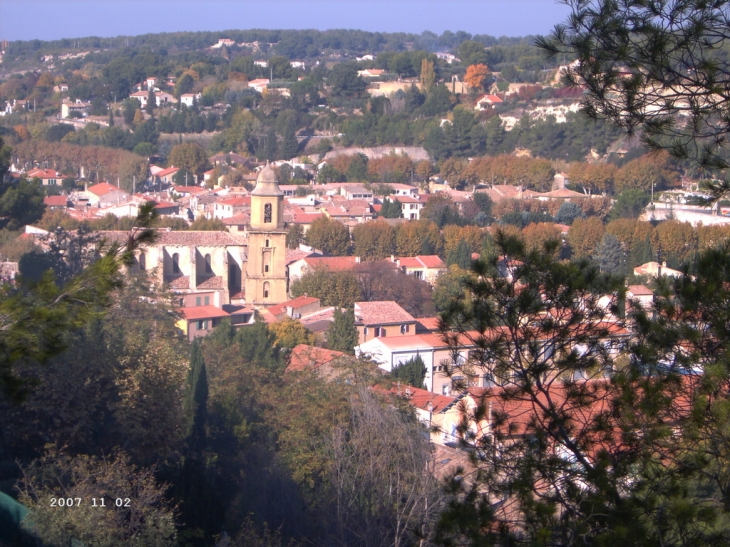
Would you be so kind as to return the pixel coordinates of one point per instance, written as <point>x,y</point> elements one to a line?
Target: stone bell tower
<point>266,267</point>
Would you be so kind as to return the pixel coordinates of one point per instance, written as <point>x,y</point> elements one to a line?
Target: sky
<point>54,19</point>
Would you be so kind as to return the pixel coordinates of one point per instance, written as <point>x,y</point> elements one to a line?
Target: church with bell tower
<point>266,267</point>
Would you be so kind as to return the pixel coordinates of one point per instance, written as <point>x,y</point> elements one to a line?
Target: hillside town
<point>332,288</point>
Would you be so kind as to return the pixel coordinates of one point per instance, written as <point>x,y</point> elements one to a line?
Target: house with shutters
<point>382,319</point>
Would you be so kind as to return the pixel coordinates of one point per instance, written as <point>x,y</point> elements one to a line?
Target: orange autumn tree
<point>476,76</point>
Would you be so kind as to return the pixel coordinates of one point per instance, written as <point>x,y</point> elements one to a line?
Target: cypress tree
<point>461,256</point>
<point>195,404</point>
<point>412,372</point>
<point>289,145</point>
<point>610,256</point>
<point>151,102</point>
<point>342,334</point>
<point>642,252</point>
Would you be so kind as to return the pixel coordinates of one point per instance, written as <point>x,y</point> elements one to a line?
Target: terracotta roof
<point>103,188</point>
<point>215,282</point>
<point>489,98</point>
<point>292,255</point>
<point>236,220</point>
<point>565,193</point>
<point>45,174</point>
<point>305,357</point>
<point>236,202</point>
<point>165,204</point>
<point>420,398</point>
<point>427,324</point>
<point>182,282</point>
<point>297,302</point>
<point>640,290</point>
<point>202,312</point>
<point>422,261</point>
<point>188,189</point>
<point>55,201</point>
<point>168,171</point>
<point>181,237</point>
<point>380,313</point>
<point>324,316</point>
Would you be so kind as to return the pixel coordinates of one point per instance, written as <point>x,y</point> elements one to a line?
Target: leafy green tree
<point>412,372</point>
<point>629,204</point>
<point>345,81</point>
<point>37,317</point>
<point>329,236</point>
<point>342,334</point>
<point>189,156</point>
<point>485,204</point>
<point>21,204</point>
<point>294,236</point>
<point>373,240</point>
<point>339,289</point>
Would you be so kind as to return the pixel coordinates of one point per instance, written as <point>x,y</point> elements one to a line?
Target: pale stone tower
<point>266,268</point>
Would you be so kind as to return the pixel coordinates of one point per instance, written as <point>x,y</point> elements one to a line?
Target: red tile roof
<point>215,282</point>
<point>236,220</point>
<point>45,174</point>
<point>181,237</point>
<point>381,313</point>
<point>236,202</point>
<point>202,312</point>
<point>427,324</point>
<point>420,398</point>
<point>640,290</point>
<point>168,171</point>
<point>422,261</point>
<point>296,303</point>
<point>103,188</point>
<point>55,201</point>
<point>305,357</point>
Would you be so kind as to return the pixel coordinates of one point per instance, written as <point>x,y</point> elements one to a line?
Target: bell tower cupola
<point>266,202</point>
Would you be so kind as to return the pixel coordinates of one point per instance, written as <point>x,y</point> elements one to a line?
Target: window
<point>207,300</point>
<point>266,268</point>
<point>176,263</point>
<point>418,274</point>
<point>203,325</point>
<point>142,261</point>
<point>267,243</point>
<point>266,289</point>
<point>379,332</point>
<point>365,331</point>
<point>403,329</point>
<point>197,301</point>
<point>267,213</point>
<point>208,268</point>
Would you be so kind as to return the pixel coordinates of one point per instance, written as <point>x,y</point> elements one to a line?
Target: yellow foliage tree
<point>476,76</point>
<point>290,333</point>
